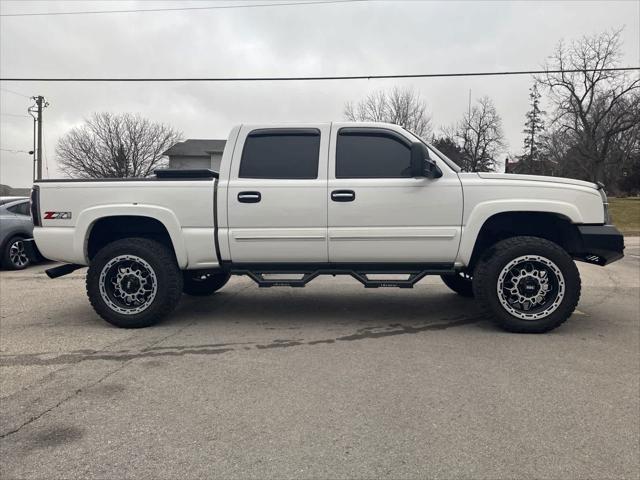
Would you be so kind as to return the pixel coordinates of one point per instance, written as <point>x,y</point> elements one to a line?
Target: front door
<point>379,213</point>
<point>277,209</point>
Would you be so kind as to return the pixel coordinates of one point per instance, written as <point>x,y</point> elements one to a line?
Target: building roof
<point>196,148</point>
<point>6,190</point>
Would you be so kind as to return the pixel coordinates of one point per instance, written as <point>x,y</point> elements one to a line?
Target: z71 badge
<point>57,216</point>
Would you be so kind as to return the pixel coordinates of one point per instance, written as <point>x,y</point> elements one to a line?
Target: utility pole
<point>40,105</point>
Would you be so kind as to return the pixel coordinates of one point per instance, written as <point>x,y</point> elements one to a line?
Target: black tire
<point>200,284</point>
<point>36,256</point>
<point>559,289</point>
<point>148,262</point>
<point>459,282</point>
<point>14,254</point>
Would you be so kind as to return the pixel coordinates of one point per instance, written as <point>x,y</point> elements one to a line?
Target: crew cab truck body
<point>333,198</point>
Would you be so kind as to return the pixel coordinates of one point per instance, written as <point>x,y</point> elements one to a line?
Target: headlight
<point>605,204</point>
<point>607,218</point>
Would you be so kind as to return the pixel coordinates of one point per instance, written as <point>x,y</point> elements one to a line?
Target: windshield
<point>454,166</point>
<point>441,155</point>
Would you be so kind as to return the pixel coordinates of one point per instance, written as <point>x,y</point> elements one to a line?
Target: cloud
<point>357,38</point>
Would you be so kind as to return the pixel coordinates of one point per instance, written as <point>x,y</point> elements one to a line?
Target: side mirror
<point>431,170</point>
<point>421,164</point>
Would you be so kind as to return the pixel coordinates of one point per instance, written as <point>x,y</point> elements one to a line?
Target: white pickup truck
<point>292,202</point>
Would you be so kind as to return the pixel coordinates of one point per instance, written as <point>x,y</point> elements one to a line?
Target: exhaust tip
<point>62,270</point>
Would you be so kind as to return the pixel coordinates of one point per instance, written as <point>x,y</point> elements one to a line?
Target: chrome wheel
<point>531,287</point>
<point>128,284</point>
<point>18,255</point>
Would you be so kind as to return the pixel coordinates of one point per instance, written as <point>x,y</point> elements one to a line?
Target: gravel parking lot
<point>330,381</point>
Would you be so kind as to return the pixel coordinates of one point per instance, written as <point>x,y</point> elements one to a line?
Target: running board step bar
<point>304,277</point>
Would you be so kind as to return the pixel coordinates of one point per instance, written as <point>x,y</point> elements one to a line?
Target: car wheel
<point>134,282</point>
<point>527,284</point>
<point>201,284</point>
<point>15,255</point>
<point>459,282</point>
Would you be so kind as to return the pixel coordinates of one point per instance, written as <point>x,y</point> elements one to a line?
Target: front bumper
<point>600,244</point>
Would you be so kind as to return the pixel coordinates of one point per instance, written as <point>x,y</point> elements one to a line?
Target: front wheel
<point>459,282</point>
<point>134,282</point>
<point>527,284</point>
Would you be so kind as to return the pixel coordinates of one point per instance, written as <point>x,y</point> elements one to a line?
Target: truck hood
<point>536,178</point>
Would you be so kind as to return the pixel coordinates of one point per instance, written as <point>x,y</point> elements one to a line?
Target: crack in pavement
<point>77,356</point>
<point>76,392</point>
<point>124,358</point>
<point>68,397</point>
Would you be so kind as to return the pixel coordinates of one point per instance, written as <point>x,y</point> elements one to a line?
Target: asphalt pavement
<point>329,381</point>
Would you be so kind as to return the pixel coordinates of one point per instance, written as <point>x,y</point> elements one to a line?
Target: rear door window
<point>281,154</point>
<point>20,209</point>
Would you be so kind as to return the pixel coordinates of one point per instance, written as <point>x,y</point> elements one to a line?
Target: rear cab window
<point>20,209</point>
<point>281,153</point>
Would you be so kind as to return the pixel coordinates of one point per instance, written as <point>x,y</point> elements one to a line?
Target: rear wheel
<point>527,284</point>
<point>15,255</point>
<point>459,282</point>
<point>134,282</point>
<point>201,284</point>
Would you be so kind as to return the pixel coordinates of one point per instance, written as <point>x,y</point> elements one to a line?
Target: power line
<point>310,78</point>
<point>15,93</point>
<point>217,7</point>
<point>14,115</point>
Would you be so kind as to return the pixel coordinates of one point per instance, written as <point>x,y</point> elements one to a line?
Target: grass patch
<point>625,214</point>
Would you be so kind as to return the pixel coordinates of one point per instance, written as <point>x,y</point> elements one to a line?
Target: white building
<point>196,153</point>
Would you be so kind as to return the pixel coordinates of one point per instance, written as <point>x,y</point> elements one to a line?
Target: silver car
<point>15,228</point>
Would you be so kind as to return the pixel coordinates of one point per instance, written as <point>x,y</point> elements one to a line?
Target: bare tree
<point>403,107</point>
<point>628,181</point>
<point>480,137</point>
<point>592,106</point>
<point>115,146</point>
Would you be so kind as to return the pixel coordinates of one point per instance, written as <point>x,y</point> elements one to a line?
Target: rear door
<point>277,208</point>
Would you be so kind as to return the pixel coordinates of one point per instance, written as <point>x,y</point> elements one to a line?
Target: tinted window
<point>20,209</point>
<point>8,200</point>
<point>372,154</point>
<point>286,153</point>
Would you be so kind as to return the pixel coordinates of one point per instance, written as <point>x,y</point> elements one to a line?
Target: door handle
<point>343,195</point>
<point>249,197</point>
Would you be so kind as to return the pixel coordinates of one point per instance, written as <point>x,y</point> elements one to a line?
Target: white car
<point>303,200</point>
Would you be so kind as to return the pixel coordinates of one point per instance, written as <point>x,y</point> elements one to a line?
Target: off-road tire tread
<point>483,287</point>
<point>461,286</point>
<point>166,270</point>
<point>204,288</point>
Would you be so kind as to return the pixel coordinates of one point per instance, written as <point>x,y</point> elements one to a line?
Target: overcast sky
<point>379,37</point>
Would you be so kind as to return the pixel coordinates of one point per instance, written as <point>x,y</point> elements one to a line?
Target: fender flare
<point>482,212</point>
<point>88,218</point>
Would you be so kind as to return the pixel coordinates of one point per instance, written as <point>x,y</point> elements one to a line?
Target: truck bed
<point>184,206</point>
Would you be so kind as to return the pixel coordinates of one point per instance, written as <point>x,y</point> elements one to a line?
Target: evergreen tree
<point>533,128</point>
